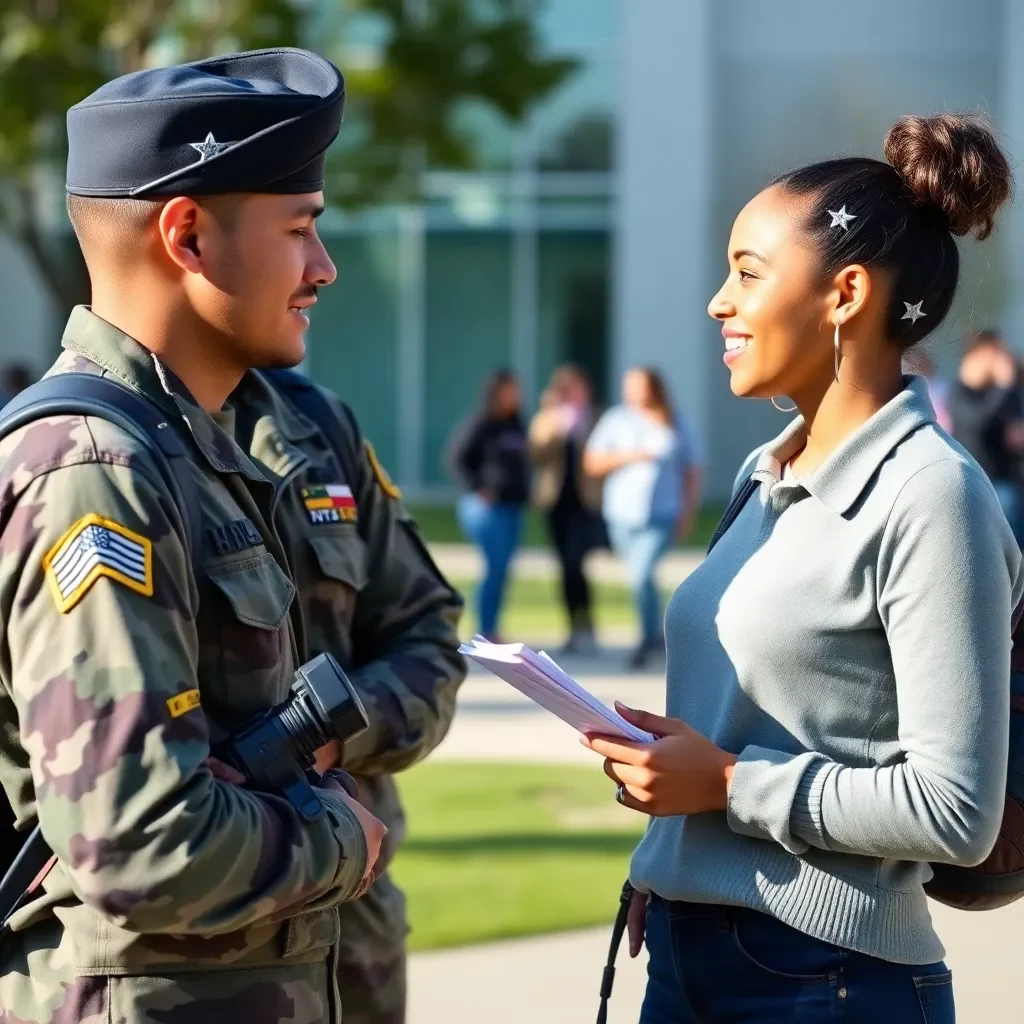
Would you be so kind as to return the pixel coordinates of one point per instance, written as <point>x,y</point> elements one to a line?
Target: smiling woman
<point>839,709</point>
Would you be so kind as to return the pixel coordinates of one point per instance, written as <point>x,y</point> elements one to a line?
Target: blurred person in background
<point>649,459</point>
<point>568,497</point>
<point>488,458</point>
<point>938,387</point>
<point>986,408</point>
<point>14,379</point>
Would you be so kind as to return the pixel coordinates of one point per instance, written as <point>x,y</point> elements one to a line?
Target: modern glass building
<point>596,231</point>
<point>507,266</point>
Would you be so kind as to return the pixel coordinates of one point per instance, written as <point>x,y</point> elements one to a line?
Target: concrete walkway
<point>555,979</point>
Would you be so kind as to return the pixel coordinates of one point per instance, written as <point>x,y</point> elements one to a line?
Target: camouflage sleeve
<point>405,629</point>
<point>101,667</point>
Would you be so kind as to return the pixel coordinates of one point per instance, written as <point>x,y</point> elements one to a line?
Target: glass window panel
<point>467,331</point>
<point>354,333</point>
<point>572,25</point>
<point>573,304</point>
<point>573,128</point>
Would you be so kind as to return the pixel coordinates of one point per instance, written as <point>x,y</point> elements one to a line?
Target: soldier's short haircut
<point>94,219</point>
<point>98,220</point>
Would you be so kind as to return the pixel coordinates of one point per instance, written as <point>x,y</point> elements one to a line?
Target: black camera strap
<point>733,509</point>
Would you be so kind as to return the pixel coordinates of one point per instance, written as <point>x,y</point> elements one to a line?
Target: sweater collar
<point>841,479</point>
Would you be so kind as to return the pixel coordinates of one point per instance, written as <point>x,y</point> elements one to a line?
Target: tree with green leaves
<point>434,55</point>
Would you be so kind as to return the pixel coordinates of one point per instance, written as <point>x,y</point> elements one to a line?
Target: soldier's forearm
<point>219,858</point>
<point>411,702</point>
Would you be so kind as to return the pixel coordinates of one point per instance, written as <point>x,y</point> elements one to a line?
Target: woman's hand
<point>680,772</point>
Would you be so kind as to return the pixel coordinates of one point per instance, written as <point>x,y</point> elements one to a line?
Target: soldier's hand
<point>224,772</point>
<point>328,756</point>
<point>373,828</point>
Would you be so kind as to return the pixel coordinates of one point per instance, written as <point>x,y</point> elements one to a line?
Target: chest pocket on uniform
<point>341,559</point>
<point>245,638</point>
<point>256,589</point>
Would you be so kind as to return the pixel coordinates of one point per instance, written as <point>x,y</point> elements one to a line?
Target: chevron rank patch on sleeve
<point>95,547</point>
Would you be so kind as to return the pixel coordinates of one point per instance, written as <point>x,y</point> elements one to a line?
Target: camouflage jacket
<point>117,668</point>
<point>370,592</point>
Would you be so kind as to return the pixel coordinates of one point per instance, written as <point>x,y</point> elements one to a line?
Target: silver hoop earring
<point>779,407</point>
<point>836,344</point>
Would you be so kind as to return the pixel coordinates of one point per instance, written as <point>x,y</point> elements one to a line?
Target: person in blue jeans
<point>838,673</point>
<point>650,462</point>
<point>489,458</point>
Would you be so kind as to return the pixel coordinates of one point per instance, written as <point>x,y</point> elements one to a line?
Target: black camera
<point>276,750</point>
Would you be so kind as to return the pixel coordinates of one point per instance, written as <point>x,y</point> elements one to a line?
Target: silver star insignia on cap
<point>209,147</point>
<point>840,218</point>
<point>913,313</point>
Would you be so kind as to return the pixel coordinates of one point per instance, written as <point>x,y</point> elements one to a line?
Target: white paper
<point>539,677</point>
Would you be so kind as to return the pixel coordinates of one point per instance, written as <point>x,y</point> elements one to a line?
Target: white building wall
<point>661,275</point>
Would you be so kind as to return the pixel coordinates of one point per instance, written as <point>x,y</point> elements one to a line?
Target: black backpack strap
<point>305,397</point>
<point>86,394</point>
<point>732,510</point>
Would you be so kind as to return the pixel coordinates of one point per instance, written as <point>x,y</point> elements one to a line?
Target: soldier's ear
<point>179,236</point>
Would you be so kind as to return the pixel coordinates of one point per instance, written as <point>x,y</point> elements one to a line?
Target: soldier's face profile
<point>263,264</point>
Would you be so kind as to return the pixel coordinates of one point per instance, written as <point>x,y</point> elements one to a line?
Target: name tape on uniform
<point>92,548</point>
<point>330,503</point>
<point>182,702</point>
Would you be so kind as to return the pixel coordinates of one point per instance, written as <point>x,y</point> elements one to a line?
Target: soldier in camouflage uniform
<point>372,597</point>
<point>175,896</point>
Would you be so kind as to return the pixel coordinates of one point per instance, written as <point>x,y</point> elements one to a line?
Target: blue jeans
<point>726,965</point>
<point>495,529</point>
<point>640,547</point>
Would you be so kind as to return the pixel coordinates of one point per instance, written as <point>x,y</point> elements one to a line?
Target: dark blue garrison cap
<point>246,122</point>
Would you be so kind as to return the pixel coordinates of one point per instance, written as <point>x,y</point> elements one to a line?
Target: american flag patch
<point>95,547</point>
<point>329,503</point>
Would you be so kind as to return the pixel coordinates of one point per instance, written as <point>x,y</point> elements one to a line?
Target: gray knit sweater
<point>849,640</point>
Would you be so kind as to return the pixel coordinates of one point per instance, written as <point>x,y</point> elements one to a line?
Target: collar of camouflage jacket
<point>276,425</point>
<point>109,348</point>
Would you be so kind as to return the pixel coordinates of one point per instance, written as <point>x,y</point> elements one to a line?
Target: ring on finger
<point>620,793</point>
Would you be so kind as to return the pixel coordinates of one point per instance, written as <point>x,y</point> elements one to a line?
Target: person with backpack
<point>131,642</point>
<point>839,674</point>
<point>371,596</point>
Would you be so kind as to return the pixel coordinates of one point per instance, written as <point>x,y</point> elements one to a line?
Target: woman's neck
<point>833,413</point>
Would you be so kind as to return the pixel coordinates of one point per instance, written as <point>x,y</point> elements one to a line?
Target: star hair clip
<point>841,219</point>
<point>914,312</point>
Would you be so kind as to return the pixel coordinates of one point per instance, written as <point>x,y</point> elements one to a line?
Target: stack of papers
<point>539,678</point>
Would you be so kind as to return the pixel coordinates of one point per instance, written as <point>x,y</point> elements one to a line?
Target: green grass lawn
<point>439,525</point>
<point>496,851</point>
<point>533,609</point>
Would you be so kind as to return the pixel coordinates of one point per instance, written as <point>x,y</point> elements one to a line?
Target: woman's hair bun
<point>953,164</point>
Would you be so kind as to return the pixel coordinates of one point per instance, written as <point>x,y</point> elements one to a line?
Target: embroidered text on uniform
<point>329,503</point>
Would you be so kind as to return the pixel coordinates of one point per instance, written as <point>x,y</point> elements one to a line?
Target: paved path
<point>554,979</point>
